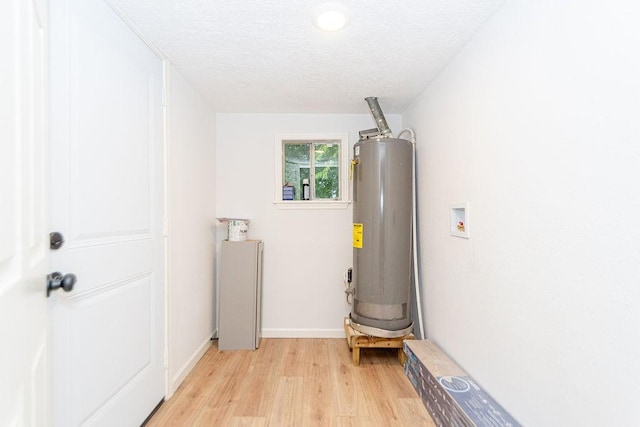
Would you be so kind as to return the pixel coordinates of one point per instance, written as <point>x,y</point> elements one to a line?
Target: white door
<point>108,202</point>
<point>24,249</point>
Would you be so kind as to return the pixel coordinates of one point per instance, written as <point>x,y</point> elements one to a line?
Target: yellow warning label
<point>357,235</point>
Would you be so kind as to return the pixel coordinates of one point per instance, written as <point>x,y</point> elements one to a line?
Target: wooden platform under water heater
<point>357,340</point>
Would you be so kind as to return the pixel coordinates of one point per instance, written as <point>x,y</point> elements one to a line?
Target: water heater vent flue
<point>378,116</point>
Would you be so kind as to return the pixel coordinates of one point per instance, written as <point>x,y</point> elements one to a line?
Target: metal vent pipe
<point>378,116</point>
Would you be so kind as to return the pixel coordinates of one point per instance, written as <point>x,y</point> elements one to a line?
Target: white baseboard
<point>303,333</point>
<point>184,370</point>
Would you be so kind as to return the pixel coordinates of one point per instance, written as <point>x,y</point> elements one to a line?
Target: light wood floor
<point>295,382</point>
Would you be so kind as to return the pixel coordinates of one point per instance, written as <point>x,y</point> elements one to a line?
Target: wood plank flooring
<point>295,382</point>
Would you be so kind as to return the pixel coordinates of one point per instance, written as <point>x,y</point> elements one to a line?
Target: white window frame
<point>343,202</point>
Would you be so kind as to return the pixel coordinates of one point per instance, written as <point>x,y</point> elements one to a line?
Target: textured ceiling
<point>266,56</point>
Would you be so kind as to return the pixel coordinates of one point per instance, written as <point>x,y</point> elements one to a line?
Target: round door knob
<point>56,281</point>
<point>68,282</point>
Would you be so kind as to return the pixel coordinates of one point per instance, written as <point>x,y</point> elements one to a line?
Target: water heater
<point>382,227</point>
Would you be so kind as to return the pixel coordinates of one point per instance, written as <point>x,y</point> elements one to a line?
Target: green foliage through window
<point>317,161</point>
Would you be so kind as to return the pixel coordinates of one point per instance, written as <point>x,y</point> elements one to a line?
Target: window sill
<point>312,204</point>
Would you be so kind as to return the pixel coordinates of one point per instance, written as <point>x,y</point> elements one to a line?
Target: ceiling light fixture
<point>330,16</point>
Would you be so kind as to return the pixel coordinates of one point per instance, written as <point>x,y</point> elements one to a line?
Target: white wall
<point>306,252</point>
<point>191,243</point>
<point>536,124</point>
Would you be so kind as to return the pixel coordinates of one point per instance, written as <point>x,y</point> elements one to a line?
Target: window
<point>316,160</point>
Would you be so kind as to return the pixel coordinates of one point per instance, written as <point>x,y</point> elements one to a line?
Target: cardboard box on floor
<point>449,394</point>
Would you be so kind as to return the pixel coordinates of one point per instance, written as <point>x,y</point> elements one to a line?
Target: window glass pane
<point>327,170</point>
<point>320,158</point>
<point>296,165</point>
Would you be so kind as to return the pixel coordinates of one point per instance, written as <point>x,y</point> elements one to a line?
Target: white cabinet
<point>240,295</point>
